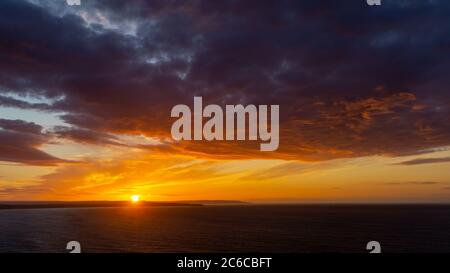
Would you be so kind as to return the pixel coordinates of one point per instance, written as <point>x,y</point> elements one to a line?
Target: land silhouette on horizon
<point>99,204</point>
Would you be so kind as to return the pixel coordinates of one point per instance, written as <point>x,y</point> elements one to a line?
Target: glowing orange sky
<point>108,173</point>
<point>86,94</point>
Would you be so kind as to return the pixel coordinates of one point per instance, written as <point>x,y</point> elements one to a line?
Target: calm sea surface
<point>247,228</point>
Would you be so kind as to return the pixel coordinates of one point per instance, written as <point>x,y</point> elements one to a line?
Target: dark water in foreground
<point>277,228</point>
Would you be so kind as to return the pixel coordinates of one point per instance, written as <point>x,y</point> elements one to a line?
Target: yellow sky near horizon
<point>362,103</point>
<point>116,173</point>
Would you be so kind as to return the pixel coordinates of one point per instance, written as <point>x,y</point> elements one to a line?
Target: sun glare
<point>135,198</point>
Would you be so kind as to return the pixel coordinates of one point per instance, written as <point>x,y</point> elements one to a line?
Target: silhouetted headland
<point>89,204</point>
<point>214,202</point>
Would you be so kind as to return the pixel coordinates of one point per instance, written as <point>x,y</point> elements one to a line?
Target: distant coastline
<point>110,204</point>
<point>87,204</point>
<point>214,202</point>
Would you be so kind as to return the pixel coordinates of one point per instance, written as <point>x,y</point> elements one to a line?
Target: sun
<point>135,198</point>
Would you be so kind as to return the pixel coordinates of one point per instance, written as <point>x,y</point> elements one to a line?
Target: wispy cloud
<point>419,161</point>
<point>416,183</point>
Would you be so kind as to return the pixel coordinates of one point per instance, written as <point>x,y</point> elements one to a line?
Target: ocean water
<point>243,228</point>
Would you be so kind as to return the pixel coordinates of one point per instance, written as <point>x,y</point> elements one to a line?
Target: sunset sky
<point>86,93</point>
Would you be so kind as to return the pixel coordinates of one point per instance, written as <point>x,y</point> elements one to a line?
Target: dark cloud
<point>19,142</point>
<point>350,80</point>
<point>83,135</point>
<point>419,161</point>
<point>20,104</point>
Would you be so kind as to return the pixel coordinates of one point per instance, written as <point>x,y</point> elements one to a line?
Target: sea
<point>229,229</point>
